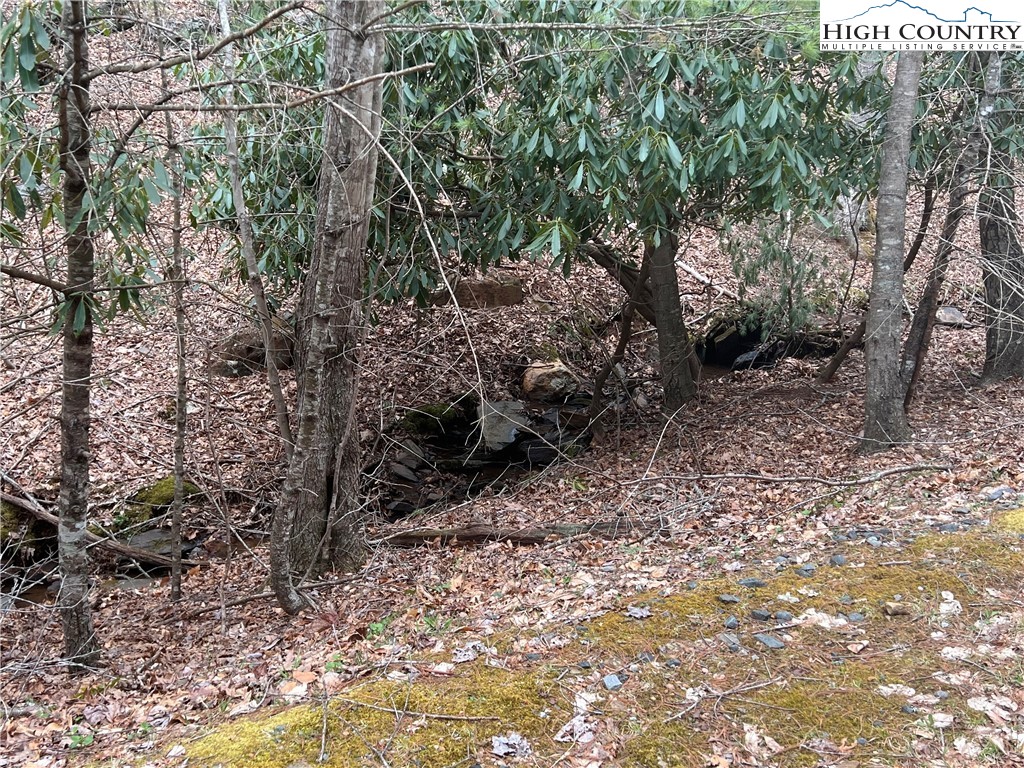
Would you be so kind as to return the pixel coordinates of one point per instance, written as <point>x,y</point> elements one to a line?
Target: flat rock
<point>728,598</point>
<point>951,317</point>
<point>731,622</point>
<point>731,641</point>
<point>837,560</point>
<point>760,614</point>
<point>612,682</point>
<point>752,583</point>
<point>769,641</point>
<point>783,616</point>
<point>500,422</point>
<point>896,609</point>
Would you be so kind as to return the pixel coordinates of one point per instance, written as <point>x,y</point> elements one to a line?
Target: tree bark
<point>674,345</point>
<point>1002,263</point>
<point>885,422</point>
<point>920,335</point>
<point>81,647</point>
<point>318,522</point>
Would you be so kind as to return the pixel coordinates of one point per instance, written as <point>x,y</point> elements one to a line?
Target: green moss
<point>391,721</point>
<point>431,419</point>
<point>10,520</point>
<point>1011,520</point>
<point>665,745</point>
<point>141,506</point>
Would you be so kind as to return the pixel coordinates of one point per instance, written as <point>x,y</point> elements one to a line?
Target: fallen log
<point>95,540</point>
<point>478,533</point>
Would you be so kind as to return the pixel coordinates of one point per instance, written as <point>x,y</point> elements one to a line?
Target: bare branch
<point>205,53</point>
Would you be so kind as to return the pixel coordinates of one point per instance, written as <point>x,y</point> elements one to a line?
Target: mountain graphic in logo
<point>971,15</point>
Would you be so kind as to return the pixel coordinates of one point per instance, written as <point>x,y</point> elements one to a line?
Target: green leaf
<point>659,106</point>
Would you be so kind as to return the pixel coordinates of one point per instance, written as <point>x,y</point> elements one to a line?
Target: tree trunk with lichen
<point>318,523</point>
<point>81,648</point>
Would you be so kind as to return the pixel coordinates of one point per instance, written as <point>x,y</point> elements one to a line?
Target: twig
<point>410,713</point>
<point>719,695</point>
<point>865,480</point>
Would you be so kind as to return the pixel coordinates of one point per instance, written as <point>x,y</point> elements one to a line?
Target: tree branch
<point>205,53</point>
<point>32,277</point>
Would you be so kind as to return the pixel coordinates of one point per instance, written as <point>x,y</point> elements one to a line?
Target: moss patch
<point>1011,520</point>
<point>155,497</point>
<point>432,419</point>
<point>387,721</point>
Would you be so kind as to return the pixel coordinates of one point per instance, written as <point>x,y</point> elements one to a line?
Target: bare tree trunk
<point>885,422</point>
<point>318,521</point>
<point>1002,263</point>
<point>916,347</point>
<point>674,345</point>
<point>248,249</point>
<point>177,277</point>
<point>81,647</point>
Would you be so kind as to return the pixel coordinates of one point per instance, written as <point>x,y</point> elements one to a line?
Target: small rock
<point>997,493</point>
<point>532,656</point>
<point>781,560</point>
<point>731,641</point>
<point>638,612</point>
<point>760,614</point>
<point>952,317</point>
<point>673,663</point>
<point>949,527</point>
<point>728,599</point>
<point>612,682</point>
<point>896,609</point>
<point>549,381</point>
<point>855,616</point>
<point>961,510</point>
<point>691,585</point>
<point>837,560</point>
<point>846,600</point>
<point>731,622</point>
<point>861,741</point>
<point>908,709</point>
<point>585,664</point>
<point>646,657</point>
<point>769,640</point>
<point>942,694</point>
<point>783,616</point>
<point>874,541</point>
<point>840,537</point>
<point>807,571</point>
<point>752,583</point>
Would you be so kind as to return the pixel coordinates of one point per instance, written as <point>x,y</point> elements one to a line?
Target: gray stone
<point>855,616</point>
<point>997,493</point>
<point>731,622</point>
<point>909,709</point>
<point>760,614</point>
<point>646,657</point>
<point>752,583</point>
<point>769,640</point>
<point>874,541</point>
<point>781,560</point>
<point>783,616</point>
<point>951,317</point>
<point>840,537</point>
<point>861,741</point>
<point>846,600</point>
<point>728,598</point>
<point>949,527</point>
<point>837,560</point>
<point>691,585</point>
<point>807,571</point>
<point>673,663</point>
<point>612,682</point>
<point>532,656</point>
<point>584,664</point>
<point>731,641</point>
<point>500,422</point>
<point>942,694</point>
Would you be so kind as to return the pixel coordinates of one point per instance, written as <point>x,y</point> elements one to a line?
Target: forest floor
<point>790,601</point>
